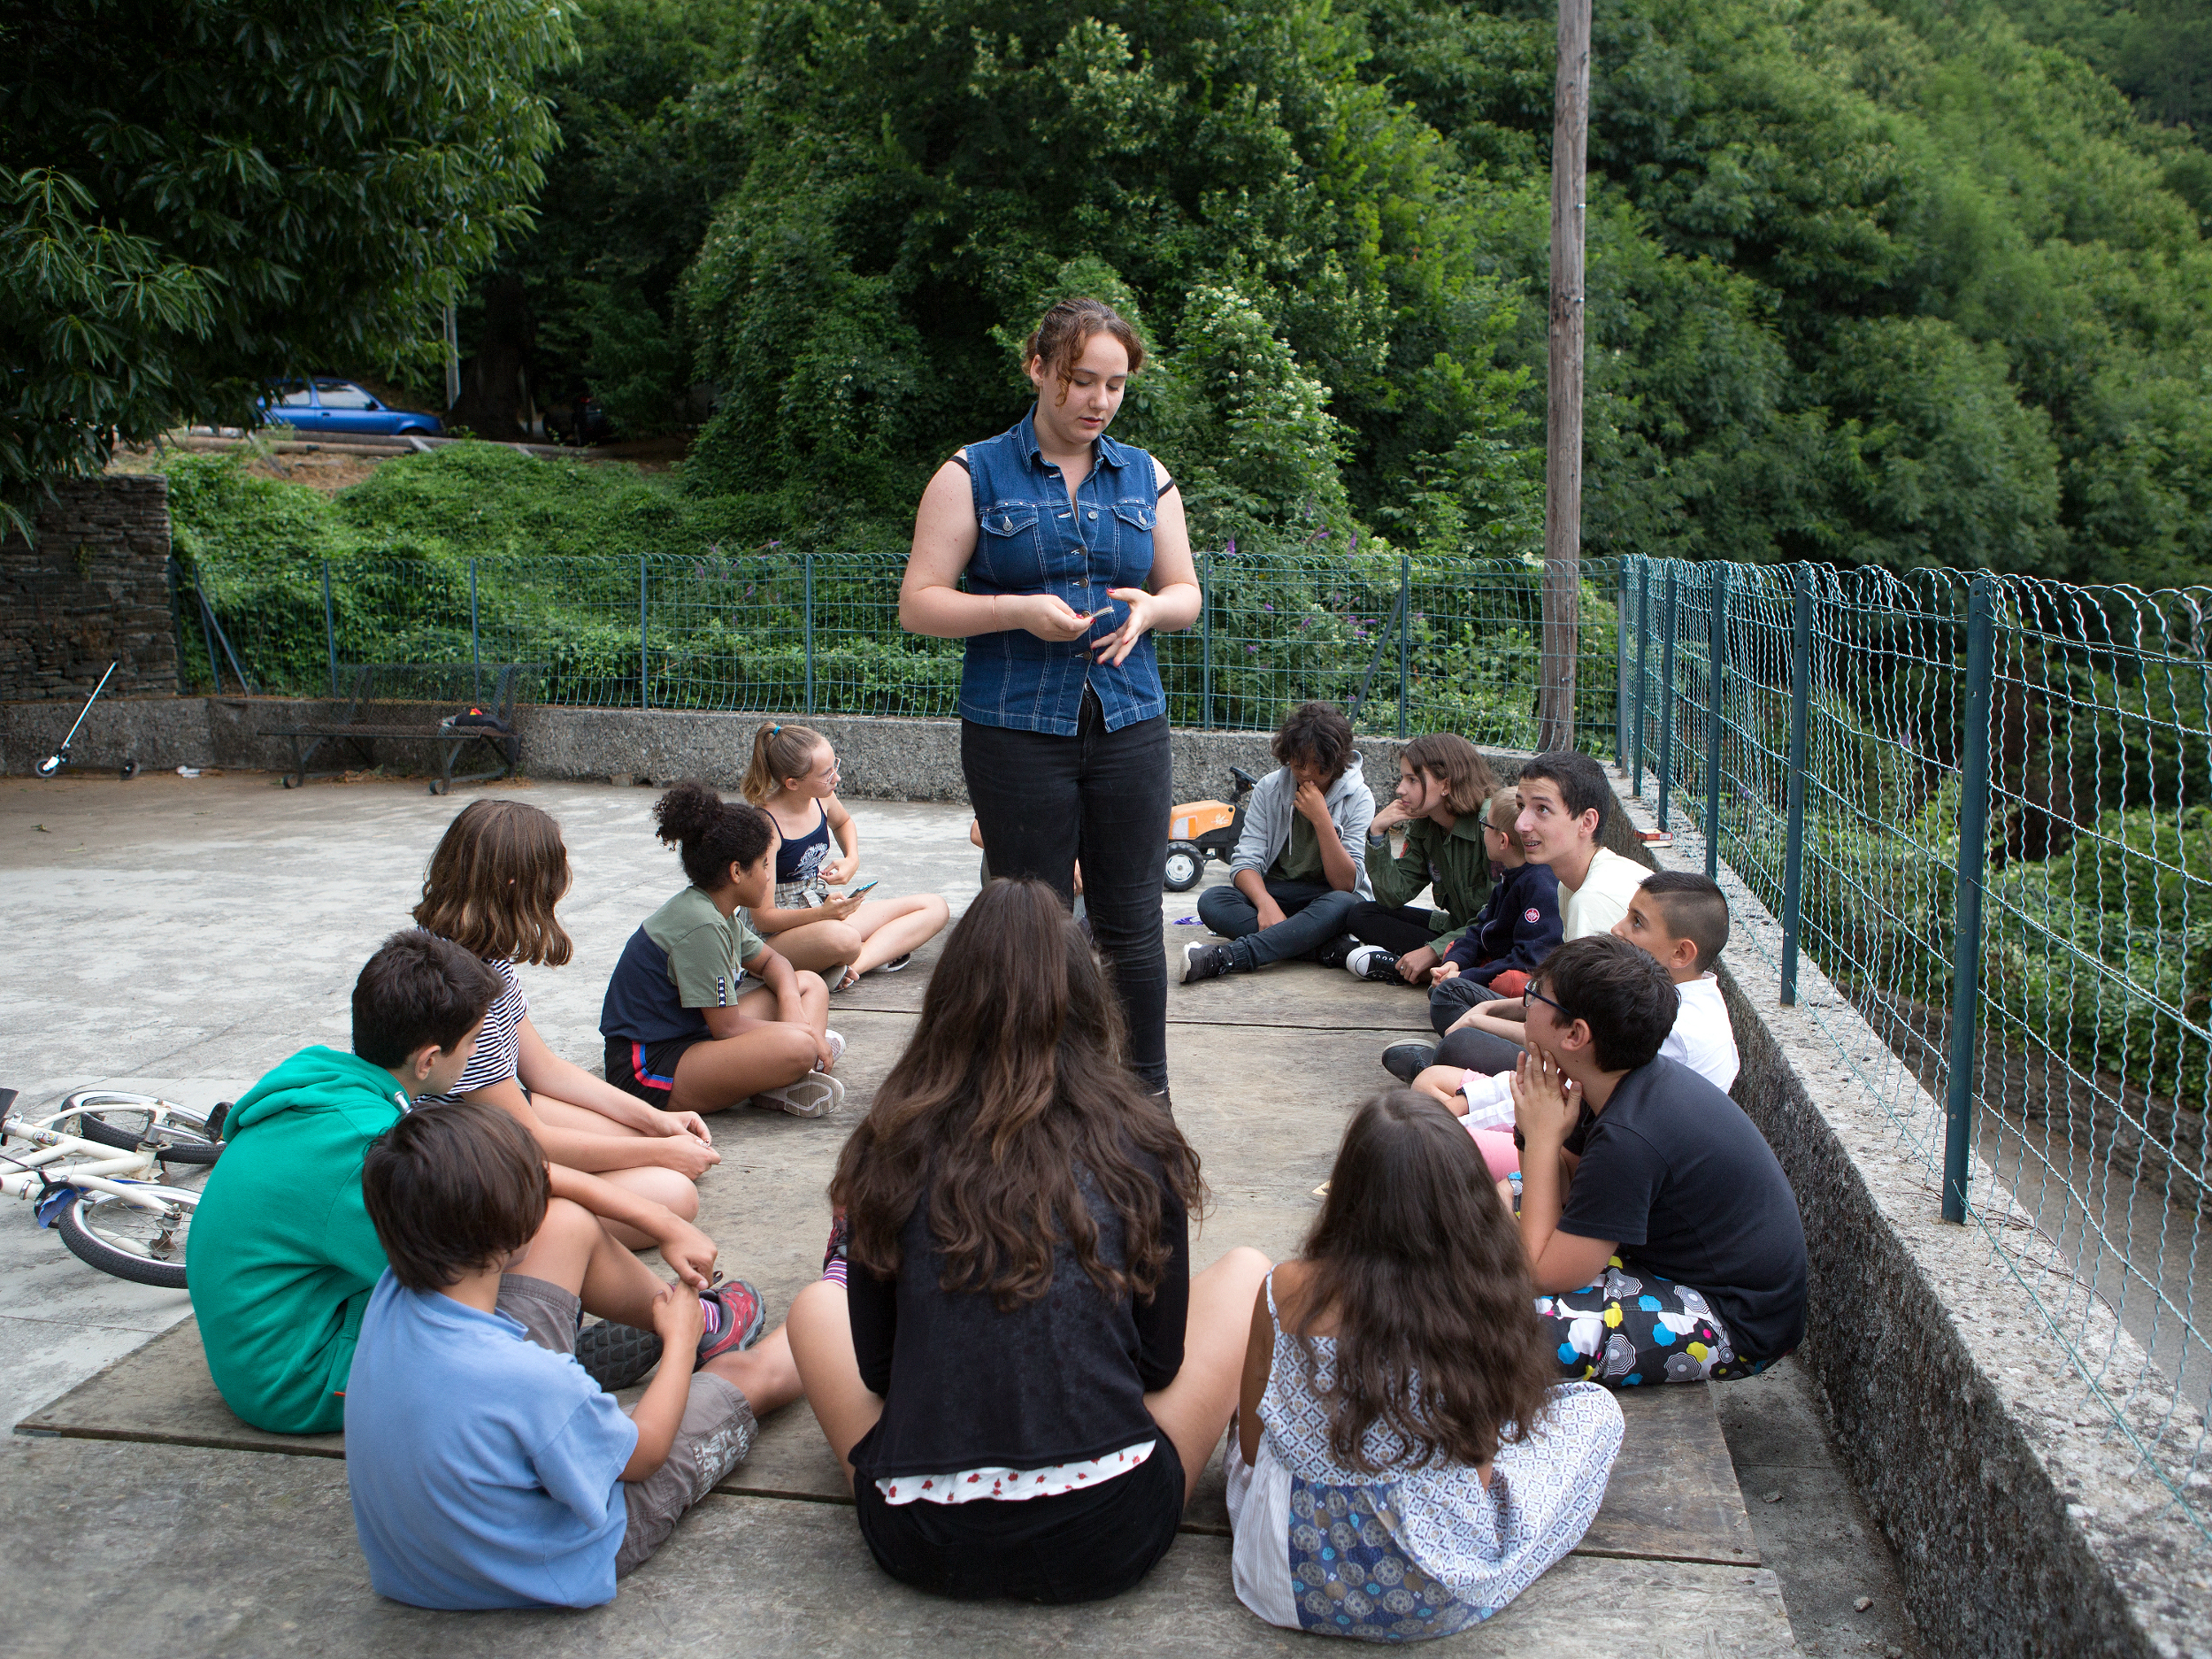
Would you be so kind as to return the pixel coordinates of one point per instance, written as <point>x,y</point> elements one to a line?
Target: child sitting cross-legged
<point>1024,1379</point>
<point>1662,1236</point>
<point>487,1468</point>
<point>1404,1460</point>
<point>1681,918</point>
<point>1517,926</point>
<point>281,1255</point>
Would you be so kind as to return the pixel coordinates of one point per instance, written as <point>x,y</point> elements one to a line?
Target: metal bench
<point>412,703</point>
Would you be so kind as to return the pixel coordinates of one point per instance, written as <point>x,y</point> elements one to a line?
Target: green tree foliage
<point>196,195</point>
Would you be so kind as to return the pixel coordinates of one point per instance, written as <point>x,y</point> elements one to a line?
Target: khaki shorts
<point>716,1430</point>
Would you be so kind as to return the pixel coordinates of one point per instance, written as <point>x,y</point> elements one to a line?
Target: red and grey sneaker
<point>737,1317</point>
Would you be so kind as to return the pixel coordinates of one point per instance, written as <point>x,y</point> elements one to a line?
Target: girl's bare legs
<point>1195,1407</point>
<point>891,927</point>
<point>822,1346</point>
<point>820,946</point>
<point>664,1186</point>
<point>725,1071</point>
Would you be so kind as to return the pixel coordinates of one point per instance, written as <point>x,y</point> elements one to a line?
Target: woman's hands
<point>1048,616</point>
<point>1143,617</point>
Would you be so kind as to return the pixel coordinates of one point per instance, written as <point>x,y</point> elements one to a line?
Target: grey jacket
<point>1268,814</point>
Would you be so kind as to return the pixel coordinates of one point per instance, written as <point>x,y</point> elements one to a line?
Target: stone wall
<point>94,590</point>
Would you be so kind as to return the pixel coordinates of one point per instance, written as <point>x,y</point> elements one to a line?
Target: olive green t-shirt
<point>706,950</point>
<point>1301,857</point>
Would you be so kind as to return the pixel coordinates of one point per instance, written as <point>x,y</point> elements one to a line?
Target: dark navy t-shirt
<point>1678,1178</point>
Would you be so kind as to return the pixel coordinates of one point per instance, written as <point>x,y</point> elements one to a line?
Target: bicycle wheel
<point>174,1135</point>
<point>145,1245</point>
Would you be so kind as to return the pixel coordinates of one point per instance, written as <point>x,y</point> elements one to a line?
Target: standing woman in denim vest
<point>1075,552</point>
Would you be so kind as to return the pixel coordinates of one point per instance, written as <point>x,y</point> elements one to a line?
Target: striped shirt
<point>497,1048</point>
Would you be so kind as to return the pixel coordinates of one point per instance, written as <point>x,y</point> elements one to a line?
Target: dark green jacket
<point>1451,860</point>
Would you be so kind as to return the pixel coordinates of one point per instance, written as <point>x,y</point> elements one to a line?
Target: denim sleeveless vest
<point>1030,541</point>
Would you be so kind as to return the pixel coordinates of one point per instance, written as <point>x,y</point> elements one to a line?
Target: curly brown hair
<point>1061,334</point>
<point>499,869</point>
<point>1011,1097</point>
<point>1418,1259</point>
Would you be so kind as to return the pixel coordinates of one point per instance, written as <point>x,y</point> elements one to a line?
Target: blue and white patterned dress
<point>1407,1554</point>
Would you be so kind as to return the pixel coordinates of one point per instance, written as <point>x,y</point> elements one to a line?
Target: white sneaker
<point>1372,962</point>
<point>836,1047</point>
<point>814,1096</point>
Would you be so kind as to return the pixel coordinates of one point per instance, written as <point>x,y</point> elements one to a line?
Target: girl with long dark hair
<point>1073,551</point>
<point>1023,1378</point>
<point>1406,1461</point>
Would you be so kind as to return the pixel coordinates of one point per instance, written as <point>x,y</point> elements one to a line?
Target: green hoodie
<point>281,1254</point>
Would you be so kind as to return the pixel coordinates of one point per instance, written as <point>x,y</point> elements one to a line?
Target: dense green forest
<point>1902,283</point>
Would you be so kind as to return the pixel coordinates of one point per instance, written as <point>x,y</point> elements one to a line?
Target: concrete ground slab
<point>268,900</point>
<point>742,1576</point>
<point>1673,1495</point>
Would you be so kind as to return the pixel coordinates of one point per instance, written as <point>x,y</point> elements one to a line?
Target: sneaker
<point>1372,962</point>
<point>903,959</point>
<point>838,1253</point>
<point>616,1356</point>
<point>836,1047</point>
<point>1205,962</point>
<point>737,1317</point>
<point>813,1095</point>
<point>1334,954</point>
<point>1406,1061</point>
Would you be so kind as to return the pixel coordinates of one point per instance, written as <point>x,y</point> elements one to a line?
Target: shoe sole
<point>896,963</point>
<point>836,1045</point>
<point>616,1356</point>
<point>1425,1064</point>
<point>814,1096</point>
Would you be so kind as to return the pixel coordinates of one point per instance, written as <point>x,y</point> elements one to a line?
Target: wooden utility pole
<point>1562,471</point>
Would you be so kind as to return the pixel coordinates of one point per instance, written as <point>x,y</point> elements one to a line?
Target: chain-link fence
<point>1980,805</point>
<point>1408,647</point>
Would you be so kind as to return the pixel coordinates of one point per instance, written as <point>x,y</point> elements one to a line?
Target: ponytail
<point>779,752</point>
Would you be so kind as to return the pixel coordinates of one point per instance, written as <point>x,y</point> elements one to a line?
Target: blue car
<point>318,406</point>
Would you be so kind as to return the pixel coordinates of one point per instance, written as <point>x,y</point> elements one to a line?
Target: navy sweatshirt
<point>1517,926</point>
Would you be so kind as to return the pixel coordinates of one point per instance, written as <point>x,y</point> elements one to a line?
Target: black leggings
<point>1397,928</point>
<point>1044,801</point>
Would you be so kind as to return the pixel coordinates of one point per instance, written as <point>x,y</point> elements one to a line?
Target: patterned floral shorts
<point>1631,1328</point>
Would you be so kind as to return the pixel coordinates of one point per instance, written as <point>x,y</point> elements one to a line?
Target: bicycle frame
<point>30,1174</point>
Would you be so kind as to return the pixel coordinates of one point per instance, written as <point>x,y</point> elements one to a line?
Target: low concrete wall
<point>2021,1521</point>
<point>881,759</point>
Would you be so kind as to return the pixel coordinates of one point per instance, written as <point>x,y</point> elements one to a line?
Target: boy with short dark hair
<point>1662,1237</point>
<point>1297,875</point>
<point>487,1469</point>
<point>1681,917</point>
<point>281,1255</point>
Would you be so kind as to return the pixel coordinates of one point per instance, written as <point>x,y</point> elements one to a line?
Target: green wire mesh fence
<point>1408,646</point>
<point>1983,805</point>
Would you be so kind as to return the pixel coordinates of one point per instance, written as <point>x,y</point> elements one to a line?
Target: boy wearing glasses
<point>1662,1237</point>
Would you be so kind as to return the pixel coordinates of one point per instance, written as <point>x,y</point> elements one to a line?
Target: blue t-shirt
<point>487,1471</point>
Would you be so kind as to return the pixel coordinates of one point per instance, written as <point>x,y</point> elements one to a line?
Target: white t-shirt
<point>1602,898</point>
<point>1702,1038</point>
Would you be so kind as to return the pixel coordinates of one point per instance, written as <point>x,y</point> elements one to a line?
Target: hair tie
<point>773,730</point>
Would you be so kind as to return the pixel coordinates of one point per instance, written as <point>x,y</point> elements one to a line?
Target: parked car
<point>321,405</point>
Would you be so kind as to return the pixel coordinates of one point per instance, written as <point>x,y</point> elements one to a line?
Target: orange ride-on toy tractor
<point>1199,829</point>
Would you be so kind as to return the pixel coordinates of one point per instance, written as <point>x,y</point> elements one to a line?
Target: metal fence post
<point>1800,712</point>
<point>476,646</point>
<point>1666,695</point>
<point>1620,671</point>
<point>1206,647</point>
<point>1966,951</point>
<point>644,643</point>
<point>1643,650</point>
<point>330,629</point>
<point>1716,675</point>
<point>1405,637</point>
<point>807,563</point>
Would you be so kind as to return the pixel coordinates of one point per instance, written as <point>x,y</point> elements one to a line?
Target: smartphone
<point>854,893</point>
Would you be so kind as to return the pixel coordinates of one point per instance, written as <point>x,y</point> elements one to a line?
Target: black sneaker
<point>616,1356</point>
<point>1406,1061</point>
<point>1334,954</point>
<point>1205,962</point>
<point>1372,962</point>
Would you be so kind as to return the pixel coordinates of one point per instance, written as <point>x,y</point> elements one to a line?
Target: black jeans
<point>1313,915</point>
<point>1397,928</point>
<point>1045,801</point>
